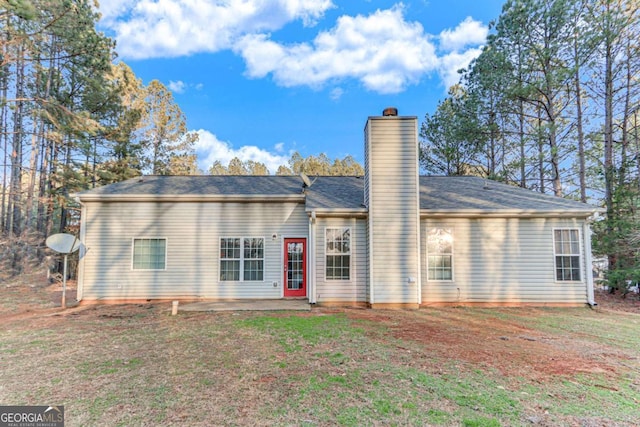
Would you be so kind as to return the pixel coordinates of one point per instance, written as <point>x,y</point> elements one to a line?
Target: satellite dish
<point>63,243</point>
<point>305,179</point>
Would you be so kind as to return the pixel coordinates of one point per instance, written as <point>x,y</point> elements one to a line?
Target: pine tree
<point>165,131</point>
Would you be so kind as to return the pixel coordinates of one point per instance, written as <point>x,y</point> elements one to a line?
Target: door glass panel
<point>295,269</point>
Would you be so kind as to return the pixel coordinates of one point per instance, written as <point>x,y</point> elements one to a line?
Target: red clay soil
<point>484,341</point>
<point>508,347</point>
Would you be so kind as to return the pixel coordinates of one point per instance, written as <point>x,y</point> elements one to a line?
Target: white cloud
<point>181,87</point>
<point>336,93</point>
<point>468,33</point>
<point>462,44</point>
<point>209,149</point>
<point>382,50</point>
<point>454,61</point>
<point>279,147</point>
<point>177,87</point>
<point>112,9</point>
<point>168,28</point>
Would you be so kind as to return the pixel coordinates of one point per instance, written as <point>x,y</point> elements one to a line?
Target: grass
<point>137,365</point>
<point>294,333</point>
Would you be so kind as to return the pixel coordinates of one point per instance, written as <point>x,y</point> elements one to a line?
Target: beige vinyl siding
<point>392,194</point>
<point>193,232</point>
<point>354,289</point>
<point>503,260</point>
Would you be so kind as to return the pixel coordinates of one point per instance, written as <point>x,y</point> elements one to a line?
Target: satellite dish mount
<point>306,182</point>
<point>65,244</point>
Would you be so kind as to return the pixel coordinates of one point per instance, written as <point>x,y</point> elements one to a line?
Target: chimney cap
<point>390,111</point>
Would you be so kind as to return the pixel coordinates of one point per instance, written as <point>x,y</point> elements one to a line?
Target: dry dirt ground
<point>499,343</point>
<point>512,348</point>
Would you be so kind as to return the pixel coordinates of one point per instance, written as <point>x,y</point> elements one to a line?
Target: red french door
<point>295,267</point>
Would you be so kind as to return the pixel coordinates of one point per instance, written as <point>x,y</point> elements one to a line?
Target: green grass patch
<point>108,367</point>
<point>579,396</point>
<point>480,422</point>
<point>294,332</point>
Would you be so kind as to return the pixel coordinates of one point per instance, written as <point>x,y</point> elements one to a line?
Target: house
<point>389,239</point>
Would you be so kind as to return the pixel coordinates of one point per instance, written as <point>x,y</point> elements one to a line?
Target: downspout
<point>419,226</point>
<point>311,262</point>
<point>588,263</point>
<point>83,249</point>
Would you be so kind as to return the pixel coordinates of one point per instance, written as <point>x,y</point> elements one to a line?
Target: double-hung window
<point>149,254</point>
<point>338,253</point>
<point>253,259</point>
<point>241,259</point>
<point>566,248</point>
<point>440,254</point>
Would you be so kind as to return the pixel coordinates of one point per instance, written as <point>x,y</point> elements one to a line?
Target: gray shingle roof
<point>469,193</point>
<point>330,193</point>
<point>336,192</point>
<point>203,185</point>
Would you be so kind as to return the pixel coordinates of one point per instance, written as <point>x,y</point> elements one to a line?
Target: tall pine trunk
<point>609,172</point>
<point>582,169</point>
<point>4,224</point>
<point>540,151</point>
<point>521,141</point>
<point>15,185</point>
<point>624,143</point>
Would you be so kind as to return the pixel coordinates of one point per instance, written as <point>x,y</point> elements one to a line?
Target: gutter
<point>106,198</point>
<point>507,213</point>
<point>339,213</point>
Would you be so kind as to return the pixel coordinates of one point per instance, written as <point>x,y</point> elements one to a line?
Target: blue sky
<point>260,79</point>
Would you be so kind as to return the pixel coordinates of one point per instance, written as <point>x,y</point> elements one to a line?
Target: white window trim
<point>453,253</point>
<point>352,270</point>
<point>580,255</point>
<point>166,253</point>
<point>242,259</point>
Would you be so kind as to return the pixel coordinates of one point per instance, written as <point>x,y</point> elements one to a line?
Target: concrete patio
<point>248,305</point>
